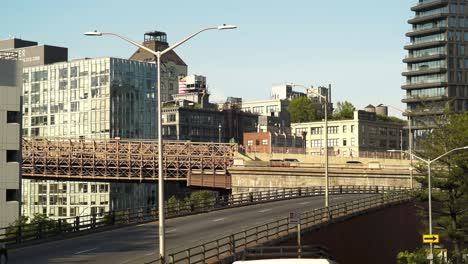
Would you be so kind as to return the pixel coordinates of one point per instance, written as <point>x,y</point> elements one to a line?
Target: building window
<point>333,142</point>
<point>12,155</point>
<point>353,141</point>
<point>383,131</point>
<point>352,128</point>
<point>257,142</point>
<point>299,131</point>
<point>316,143</point>
<point>258,109</point>
<point>265,142</point>
<point>315,130</point>
<point>249,142</point>
<point>63,73</point>
<point>383,143</point>
<point>103,188</point>
<point>271,109</point>
<point>62,211</point>
<point>13,117</point>
<point>345,128</point>
<point>333,130</point>
<point>344,142</point>
<point>12,195</point>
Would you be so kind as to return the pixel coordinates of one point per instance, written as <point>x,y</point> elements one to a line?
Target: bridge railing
<point>15,236</point>
<point>227,248</point>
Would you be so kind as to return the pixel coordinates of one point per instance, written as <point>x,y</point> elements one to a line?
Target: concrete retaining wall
<point>248,179</point>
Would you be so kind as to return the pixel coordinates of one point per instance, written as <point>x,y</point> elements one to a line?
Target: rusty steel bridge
<point>200,164</point>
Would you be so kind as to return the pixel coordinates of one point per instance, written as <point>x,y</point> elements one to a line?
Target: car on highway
<point>353,162</point>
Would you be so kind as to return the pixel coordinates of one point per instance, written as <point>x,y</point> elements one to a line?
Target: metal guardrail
<point>16,236</point>
<point>226,249</point>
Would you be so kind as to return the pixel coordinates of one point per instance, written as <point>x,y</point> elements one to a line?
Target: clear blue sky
<point>357,46</point>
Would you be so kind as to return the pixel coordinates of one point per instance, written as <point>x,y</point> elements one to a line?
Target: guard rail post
<point>112,217</point>
<point>39,230</point>
<point>19,233</point>
<point>59,226</point>
<point>232,246</point>
<point>93,220</point>
<point>77,224</point>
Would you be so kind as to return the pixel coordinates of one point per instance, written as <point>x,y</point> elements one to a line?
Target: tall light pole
<point>219,132</point>
<point>157,55</point>
<point>428,163</point>
<point>410,141</point>
<point>326,139</point>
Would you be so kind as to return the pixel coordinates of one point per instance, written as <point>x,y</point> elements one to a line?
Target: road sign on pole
<point>294,217</point>
<point>431,239</point>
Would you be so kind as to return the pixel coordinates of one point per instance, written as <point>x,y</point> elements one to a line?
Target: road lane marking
<point>84,251</point>
<point>264,210</point>
<point>219,219</point>
<point>304,203</point>
<point>149,254</point>
<point>170,230</point>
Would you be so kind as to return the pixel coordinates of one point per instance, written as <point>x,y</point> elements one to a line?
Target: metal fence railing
<point>16,236</point>
<point>227,248</point>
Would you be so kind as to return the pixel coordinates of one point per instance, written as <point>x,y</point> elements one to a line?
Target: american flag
<point>182,85</point>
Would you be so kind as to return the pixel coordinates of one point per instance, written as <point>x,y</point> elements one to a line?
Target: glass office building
<point>90,98</point>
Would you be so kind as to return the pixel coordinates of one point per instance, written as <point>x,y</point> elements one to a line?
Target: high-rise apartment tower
<point>437,64</point>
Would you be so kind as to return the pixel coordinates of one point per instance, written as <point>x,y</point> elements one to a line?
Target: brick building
<point>273,142</point>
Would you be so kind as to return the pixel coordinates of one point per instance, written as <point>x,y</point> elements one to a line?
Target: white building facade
<point>10,138</point>
<point>360,136</point>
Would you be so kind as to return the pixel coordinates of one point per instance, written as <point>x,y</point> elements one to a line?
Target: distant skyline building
<point>10,137</point>
<point>32,54</point>
<point>437,64</point>
<point>172,66</point>
<point>363,136</point>
<point>191,116</point>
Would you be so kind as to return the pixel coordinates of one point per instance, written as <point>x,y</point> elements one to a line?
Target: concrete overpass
<point>138,244</point>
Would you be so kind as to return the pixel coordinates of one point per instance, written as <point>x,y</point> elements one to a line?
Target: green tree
<point>37,222</point>
<point>200,199</point>
<point>417,257</point>
<point>301,110</point>
<point>344,110</point>
<point>449,182</point>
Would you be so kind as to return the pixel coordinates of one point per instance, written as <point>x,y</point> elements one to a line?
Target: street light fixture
<point>157,55</point>
<point>410,140</point>
<point>219,132</point>
<point>326,139</point>
<point>429,162</point>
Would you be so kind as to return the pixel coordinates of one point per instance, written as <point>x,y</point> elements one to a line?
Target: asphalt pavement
<point>134,243</point>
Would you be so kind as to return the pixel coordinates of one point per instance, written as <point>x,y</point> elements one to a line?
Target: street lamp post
<point>326,140</point>
<point>410,141</point>
<point>219,133</point>
<point>157,55</point>
<point>428,163</point>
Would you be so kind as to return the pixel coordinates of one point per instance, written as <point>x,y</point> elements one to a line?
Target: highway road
<point>132,244</point>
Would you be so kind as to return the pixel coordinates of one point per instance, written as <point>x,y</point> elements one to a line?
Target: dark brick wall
<point>372,238</point>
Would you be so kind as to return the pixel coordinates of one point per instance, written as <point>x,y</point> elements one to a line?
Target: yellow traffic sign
<point>431,239</point>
